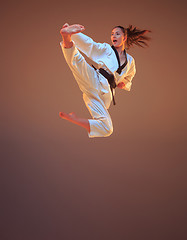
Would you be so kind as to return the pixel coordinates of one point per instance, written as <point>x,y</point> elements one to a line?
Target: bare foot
<point>70,117</point>
<point>71,29</point>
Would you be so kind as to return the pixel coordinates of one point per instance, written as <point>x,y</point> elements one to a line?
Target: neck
<point>120,50</point>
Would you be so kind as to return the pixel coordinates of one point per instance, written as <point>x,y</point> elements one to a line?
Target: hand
<point>121,85</point>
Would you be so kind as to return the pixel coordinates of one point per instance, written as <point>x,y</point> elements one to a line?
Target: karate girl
<point>96,89</point>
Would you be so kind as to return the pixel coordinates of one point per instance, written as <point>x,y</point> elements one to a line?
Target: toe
<point>65,25</point>
<point>61,114</point>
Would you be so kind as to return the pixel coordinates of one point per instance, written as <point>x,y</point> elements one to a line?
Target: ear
<point>125,38</point>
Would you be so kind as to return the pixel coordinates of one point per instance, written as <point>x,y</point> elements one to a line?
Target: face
<point>117,37</point>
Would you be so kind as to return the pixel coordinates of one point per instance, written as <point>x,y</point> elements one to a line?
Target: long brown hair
<point>135,36</point>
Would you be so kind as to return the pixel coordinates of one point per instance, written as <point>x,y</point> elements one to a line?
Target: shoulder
<point>130,59</point>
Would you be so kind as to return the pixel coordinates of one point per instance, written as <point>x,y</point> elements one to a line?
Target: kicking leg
<point>66,33</point>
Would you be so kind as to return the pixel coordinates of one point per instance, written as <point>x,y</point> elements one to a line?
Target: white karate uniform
<point>95,88</point>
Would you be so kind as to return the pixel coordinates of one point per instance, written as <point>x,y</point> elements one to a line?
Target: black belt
<point>111,81</point>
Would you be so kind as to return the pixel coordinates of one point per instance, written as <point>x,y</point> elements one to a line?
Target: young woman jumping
<point>116,68</point>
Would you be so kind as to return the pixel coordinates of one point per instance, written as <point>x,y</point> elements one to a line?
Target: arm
<point>127,81</point>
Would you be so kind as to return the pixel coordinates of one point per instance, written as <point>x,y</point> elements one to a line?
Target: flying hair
<point>135,36</point>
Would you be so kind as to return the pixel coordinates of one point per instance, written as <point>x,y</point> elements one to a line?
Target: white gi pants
<point>96,92</point>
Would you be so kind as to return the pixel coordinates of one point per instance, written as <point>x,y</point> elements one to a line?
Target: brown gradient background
<point>56,183</point>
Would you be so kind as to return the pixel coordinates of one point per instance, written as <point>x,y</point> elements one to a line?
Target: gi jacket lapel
<point>119,64</point>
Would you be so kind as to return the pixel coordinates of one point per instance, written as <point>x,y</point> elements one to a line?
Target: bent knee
<point>108,133</point>
<point>100,128</point>
<point>108,130</point>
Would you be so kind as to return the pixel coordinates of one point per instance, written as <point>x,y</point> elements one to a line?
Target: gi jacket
<point>104,55</point>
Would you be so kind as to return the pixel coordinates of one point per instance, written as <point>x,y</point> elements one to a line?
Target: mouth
<point>114,41</point>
